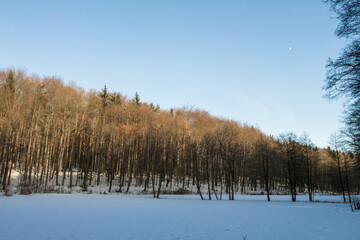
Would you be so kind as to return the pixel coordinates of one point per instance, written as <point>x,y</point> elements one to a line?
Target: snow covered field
<point>84,216</point>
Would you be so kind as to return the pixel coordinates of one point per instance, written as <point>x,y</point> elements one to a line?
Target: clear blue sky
<point>230,58</point>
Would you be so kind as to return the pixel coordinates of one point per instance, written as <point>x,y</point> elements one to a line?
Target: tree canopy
<point>343,73</point>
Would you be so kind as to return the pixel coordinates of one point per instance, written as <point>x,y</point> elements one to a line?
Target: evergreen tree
<point>136,99</point>
<point>105,96</point>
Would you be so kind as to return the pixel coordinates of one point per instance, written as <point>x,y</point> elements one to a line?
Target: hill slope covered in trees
<point>53,134</point>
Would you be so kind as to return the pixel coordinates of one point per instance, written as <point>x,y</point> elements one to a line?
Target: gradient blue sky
<point>230,58</point>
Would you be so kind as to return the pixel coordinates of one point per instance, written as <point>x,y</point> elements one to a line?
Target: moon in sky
<point>290,49</point>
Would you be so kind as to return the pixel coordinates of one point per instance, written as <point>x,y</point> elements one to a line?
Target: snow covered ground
<point>85,216</point>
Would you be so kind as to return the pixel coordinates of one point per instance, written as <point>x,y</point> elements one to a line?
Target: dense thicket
<point>53,134</point>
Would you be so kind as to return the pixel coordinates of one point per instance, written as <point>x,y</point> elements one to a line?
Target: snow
<point>95,216</point>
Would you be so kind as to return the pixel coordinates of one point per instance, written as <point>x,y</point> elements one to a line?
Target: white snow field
<point>85,216</point>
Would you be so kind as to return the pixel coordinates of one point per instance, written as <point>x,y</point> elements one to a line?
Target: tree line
<point>56,134</point>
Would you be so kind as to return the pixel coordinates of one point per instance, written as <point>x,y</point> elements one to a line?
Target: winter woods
<point>53,134</point>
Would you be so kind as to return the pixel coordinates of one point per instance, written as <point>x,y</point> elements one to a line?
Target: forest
<point>55,134</point>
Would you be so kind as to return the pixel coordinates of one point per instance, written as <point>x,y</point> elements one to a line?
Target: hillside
<point>55,135</point>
